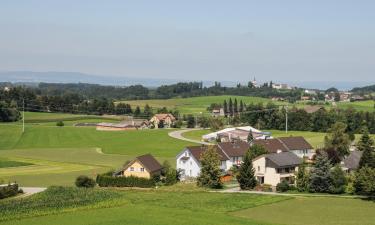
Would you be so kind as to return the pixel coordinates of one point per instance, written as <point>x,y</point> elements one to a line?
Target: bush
<point>85,181</point>
<point>60,124</point>
<point>283,186</point>
<point>9,191</point>
<point>364,181</point>
<point>106,180</point>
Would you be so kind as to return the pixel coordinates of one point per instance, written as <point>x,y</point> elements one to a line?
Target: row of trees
<point>271,116</point>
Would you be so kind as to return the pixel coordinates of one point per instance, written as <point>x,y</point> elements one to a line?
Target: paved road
<point>31,190</point>
<point>178,135</point>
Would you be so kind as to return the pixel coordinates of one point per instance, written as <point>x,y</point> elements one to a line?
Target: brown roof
<point>197,151</point>
<point>283,159</point>
<point>271,145</point>
<point>163,116</point>
<point>295,143</point>
<point>235,149</point>
<point>149,162</point>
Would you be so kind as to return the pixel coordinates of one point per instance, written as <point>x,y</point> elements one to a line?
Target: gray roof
<point>283,159</point>
<point>352,161</point>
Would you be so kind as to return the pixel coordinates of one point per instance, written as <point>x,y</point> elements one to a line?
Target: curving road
<point>178,135</point>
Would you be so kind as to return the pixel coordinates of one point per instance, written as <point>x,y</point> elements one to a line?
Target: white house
<point>236,133</point>
<point>188,161</point>
<point>273,168</point>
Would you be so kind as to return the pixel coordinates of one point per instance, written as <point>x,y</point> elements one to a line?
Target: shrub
<point>9,191</point>
<point>283,186</point>
<point>364,181</point>
<point>60,124</point>
<point>106,180</point>
<point>85,181</point>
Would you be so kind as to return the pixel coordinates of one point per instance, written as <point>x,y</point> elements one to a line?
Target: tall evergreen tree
<point>365,145</point>
<point>250,137</point>
<point>225,106</point>
<point>245,176</point>
<point>235,107</point>
<point>230,107</point>
<point>241,106</point>
<point>210,169</point>
<point>338,180</point>
<point>137,111</point>
<point>320,178</point>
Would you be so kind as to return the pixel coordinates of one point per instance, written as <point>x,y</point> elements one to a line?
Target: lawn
<point>40,117</point>
<point>313,211</point>
<point>360,105</point>
<point>196,134</point>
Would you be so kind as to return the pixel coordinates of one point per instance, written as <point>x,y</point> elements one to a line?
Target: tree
<point>190,121</point>
<point>302,179</point>
<point>230,107</point>
<point>365,145</point>
<point>245,176</point>
<point>250,137</point>
<point>257,150</point>
<point>147,111</point>
<point>320,179</point>
<point>216,123</point>
<point>364,181</point>
<point>137,111</point>
<point>337,139</point>
<point>210,169</point>
<point>85,181</point>
<point>170,175</point>
<point>339,181</point>
<point>235,107</point>
<point>225,106</point>
<point>60,124</point>
<point>241,106</point>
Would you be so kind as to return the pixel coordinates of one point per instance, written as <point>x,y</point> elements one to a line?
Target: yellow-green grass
<point>39,117</point>
<point>196,134</point>
<point>313,211</point>
<point>195,105</point>
<point>153,207</point>
<point>368,105</point>
<point>134,142</point>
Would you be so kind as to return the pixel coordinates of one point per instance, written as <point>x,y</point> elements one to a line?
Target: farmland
<point>196,105</point>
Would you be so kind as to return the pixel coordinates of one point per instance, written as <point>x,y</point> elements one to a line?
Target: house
<point>274,168</point>
<point>313,108</point>
<point>162,120</point>
<point>345,96</point>
<point>216,112</point>
<point>297,145</point>
<point>235,151</point>
<point>305,98</point>
<point>188,160</point>
<point>142,166</point>
<point>351,162</point>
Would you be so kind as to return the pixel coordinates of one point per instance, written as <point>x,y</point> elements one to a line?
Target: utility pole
<point>286,119</point>
<point>23,115</point>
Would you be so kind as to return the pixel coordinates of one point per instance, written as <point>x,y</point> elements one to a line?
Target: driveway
<point>31,190</point>
<point>178,135</point>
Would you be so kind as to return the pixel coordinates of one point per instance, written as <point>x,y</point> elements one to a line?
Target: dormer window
<point>131,169</point>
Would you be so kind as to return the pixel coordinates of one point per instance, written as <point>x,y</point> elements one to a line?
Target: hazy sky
<point>278,40</point>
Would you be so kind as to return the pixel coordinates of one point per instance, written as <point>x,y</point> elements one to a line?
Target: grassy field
<point>183,204</point>
<point>313,211</point>
<point>195,105</point>
<point>5,163</point>
<point>196,134</point>
<point>42,117</point>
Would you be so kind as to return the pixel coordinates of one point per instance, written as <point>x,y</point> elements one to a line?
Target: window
<point>142,169</point>
<point>258,168</point>
<point>131,168</point>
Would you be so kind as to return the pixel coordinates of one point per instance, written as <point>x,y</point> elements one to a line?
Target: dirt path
<point>28,191</point>
<point>178,135</point>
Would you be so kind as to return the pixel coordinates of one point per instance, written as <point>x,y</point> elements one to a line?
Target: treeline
<point>271,116</point>
<point>18,98</point>
<point>365,90</point>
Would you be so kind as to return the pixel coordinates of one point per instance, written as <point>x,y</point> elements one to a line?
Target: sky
<point>279,40</point>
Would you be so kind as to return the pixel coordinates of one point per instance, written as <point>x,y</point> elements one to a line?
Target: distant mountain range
<point>76,77</point>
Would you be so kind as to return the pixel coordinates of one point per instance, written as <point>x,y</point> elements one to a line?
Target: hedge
<point>106,180</point>
<point>9,191</point>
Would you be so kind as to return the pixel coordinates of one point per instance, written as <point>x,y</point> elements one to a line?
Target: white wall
<point>190,167</point>
<point>309,153</point>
